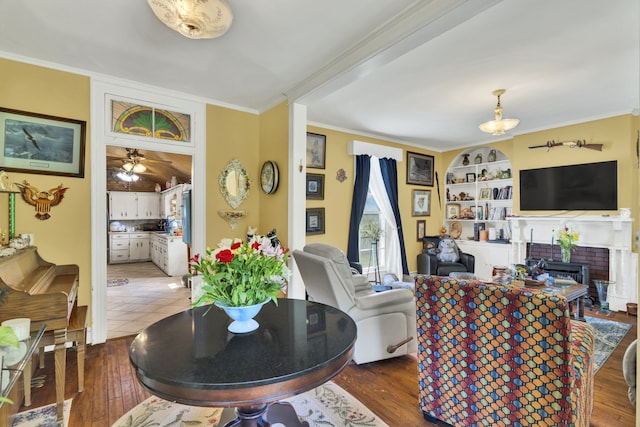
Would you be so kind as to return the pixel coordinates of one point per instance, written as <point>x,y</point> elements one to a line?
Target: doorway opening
<point>141,287</point>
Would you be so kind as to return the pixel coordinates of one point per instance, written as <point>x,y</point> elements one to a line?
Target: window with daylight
<point>372,226</point>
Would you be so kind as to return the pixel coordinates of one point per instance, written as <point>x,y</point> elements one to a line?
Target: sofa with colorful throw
<point>495,355</point>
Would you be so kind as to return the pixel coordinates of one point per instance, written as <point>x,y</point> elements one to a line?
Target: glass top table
<point>191,358</point>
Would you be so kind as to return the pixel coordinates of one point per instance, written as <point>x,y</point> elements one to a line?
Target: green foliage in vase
<point>371,230</point>
<point>240,274</point>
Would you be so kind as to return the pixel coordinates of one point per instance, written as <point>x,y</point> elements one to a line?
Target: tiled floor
<point>148,297</point>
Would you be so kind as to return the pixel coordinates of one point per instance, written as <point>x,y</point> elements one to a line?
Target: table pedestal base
<point>266,415</point>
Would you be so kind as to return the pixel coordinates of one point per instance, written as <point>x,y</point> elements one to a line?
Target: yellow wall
<point>337,195</point>
<point>231,135</point>
<point>274,146</point>
<point>65,237</point>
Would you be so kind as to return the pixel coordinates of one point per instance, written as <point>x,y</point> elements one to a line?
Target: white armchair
<point>386,320</point>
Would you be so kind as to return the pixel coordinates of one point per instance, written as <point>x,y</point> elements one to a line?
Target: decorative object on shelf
<point>315,186</point>
<point>29,143</point>
<point>478,159</point>
<point>499,126</point>
<point>471,177</point>
<point>341,175</point>
<point>234,183</point>
<point>465,159</point>
<point>602,287</point>
<point>625,212</point>
<point>455,229</point>
<point>269,177</point>
<point>419,169</point>
<point>315,221</point>
<point>204,19</point>
<point>453,210</point>
<point>485,194</point>
<point>421,203</point>
<point>316,150</point>
<point>492,156</point>
<point>580,143</point>
<point>241,274</point>
<point>42,200</point>
<point>567,239</point>
<point>232,217</point>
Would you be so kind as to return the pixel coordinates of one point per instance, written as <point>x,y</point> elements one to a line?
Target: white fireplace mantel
<point>611,232</point>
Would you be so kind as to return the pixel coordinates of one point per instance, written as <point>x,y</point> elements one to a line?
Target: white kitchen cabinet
<point>122,205</point>
<point>134,205</point>
<point>139,247</point>
<point>169,253</point>
<point>487,255</point>
<point>149,206</point>
<point>118,247</point>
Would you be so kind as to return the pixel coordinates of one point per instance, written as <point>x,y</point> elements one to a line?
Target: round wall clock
<point>269,177</point>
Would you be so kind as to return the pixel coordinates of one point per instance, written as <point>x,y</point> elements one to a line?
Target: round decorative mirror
<point>234,183</point>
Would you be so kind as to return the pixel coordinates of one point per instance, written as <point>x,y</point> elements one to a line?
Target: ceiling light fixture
<point>134,166</point>
<point>127,176</point>
<point>196,19</point>
<point>499,126</point>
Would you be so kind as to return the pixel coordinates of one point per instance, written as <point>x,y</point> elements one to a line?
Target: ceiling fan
<point>133,164</point>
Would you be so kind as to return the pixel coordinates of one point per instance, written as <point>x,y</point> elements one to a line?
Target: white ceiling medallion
<point>196,19</point>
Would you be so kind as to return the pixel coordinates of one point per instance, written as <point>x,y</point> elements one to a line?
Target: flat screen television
<point>588,186</point>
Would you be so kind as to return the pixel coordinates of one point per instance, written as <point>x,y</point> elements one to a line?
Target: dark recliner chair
<point>428,262</point>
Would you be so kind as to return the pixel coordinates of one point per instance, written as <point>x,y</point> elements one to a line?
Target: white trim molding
<point>355,148</point>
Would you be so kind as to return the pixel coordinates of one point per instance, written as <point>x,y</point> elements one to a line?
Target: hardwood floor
<point>389,388</point>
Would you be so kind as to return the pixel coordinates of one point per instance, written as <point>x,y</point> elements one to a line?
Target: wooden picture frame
<point>42,144</point>
<point>421,227</point>
<point>315,186</point>
<point>316,150</point>
<point>453,210</point>
<point>315,221</point>
<point>419,169</point>
<point>486,194</point>
<point>471,177</point>
<point>421,203</point>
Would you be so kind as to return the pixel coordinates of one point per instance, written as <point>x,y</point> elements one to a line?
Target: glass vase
<point>566,254</point>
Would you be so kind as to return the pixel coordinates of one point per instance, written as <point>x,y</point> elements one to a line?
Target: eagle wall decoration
<point>42,200</point>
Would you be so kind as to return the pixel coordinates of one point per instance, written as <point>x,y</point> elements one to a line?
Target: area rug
<point>328,405</point>
<point>116,282</point>
<point>608,336</point>
<point>44,416</point>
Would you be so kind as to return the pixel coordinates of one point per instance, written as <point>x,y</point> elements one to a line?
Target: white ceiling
<point>419,72</point>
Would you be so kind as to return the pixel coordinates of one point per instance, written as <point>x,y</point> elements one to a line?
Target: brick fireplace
<point>605,244</point>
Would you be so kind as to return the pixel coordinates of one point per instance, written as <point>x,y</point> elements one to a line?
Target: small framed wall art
<point>315,186</point>
<point>315,221</point>
<point>421,226</point>
<point>419,169</point>
<point>421,203</point>
<point>316,150</point>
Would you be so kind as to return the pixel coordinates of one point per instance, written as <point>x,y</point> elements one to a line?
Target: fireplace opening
<point>596,261</point>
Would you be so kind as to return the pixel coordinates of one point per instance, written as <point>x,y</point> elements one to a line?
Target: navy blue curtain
<point>389,171</point>
<point>360,189</point>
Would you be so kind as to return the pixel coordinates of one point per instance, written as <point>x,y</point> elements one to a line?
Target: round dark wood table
<point>192,359</point>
